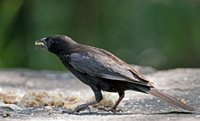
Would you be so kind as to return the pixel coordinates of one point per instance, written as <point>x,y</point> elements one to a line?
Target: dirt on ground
<point>27,95</point>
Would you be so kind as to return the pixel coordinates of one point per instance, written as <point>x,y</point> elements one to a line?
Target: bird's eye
<point>49,41</point>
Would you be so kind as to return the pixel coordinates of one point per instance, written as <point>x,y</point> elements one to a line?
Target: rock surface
<point>181,83</point>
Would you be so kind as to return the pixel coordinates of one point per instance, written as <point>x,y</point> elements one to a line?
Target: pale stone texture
<point>181,83</point>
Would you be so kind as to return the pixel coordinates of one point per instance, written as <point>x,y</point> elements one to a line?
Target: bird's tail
<point>167,98</point>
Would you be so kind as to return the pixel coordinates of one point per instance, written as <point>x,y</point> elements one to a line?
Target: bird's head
<point>56,43</point>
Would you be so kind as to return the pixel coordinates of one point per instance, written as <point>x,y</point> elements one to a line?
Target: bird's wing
<point>135,72</point>
<point>100,65</point>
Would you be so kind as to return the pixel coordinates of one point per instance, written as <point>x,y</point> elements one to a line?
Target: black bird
<point>102,71</point>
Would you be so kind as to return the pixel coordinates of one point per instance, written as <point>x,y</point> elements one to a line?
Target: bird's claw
<point>111,110</point>
<point>80,108</point>
<point>77,109</point>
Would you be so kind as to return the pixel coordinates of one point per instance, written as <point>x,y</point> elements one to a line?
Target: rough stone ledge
<point>181,83</point>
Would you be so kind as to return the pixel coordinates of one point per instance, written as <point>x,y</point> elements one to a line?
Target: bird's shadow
<point>174,112</point>
<point>124,113</point>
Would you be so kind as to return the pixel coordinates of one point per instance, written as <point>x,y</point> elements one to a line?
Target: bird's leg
<point>113,109</point>
<point>98,97</point>
<point>121,96</point>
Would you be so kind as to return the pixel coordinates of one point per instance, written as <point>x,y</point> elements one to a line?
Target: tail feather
<point>169,99</point>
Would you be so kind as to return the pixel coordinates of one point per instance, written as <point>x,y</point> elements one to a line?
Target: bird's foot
<point>114,110</point>
<point>77,109</point>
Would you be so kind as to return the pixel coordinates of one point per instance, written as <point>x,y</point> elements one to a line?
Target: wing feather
<point>102,66</point>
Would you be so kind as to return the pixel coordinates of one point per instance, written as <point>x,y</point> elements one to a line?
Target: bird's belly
<point>114,86</point>
<point>102,84</point>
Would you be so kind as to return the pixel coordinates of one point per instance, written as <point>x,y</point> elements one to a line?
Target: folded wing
<point>104,66</point>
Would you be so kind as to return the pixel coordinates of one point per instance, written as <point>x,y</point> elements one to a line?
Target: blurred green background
<point>159,33</point>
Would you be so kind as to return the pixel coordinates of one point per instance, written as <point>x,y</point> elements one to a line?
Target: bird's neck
<point>65,49</point>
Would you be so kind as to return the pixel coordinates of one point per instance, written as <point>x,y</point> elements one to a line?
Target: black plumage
<point>102,71</point>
